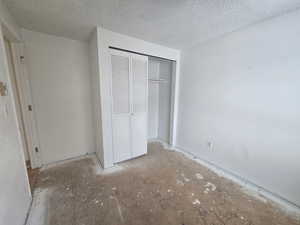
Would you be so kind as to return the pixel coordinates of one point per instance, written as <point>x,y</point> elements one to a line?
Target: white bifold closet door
<point>129,104</point>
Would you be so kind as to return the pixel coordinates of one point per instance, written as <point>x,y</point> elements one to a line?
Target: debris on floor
<point>199,176</point>
<point>32,176</point>
<point>163,187</point>
<point>210,187</point>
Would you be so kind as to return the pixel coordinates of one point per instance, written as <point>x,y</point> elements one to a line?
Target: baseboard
<point>249,187</point>
<point>28,209</point>
<point>163,143</point>
<point>63,161</point>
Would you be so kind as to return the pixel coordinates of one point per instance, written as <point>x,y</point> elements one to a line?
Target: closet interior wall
<point>159,102</point>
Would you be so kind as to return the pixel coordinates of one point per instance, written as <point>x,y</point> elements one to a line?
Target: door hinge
<point>36,149</point>
<point>29,107</point>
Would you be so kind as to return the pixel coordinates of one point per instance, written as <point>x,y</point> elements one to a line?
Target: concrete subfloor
<point>32,175</point>
<point>161,188</point>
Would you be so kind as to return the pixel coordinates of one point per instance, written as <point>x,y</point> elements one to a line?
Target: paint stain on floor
<point>161,188</point>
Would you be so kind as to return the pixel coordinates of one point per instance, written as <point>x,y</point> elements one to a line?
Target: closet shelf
<point>158,80</point>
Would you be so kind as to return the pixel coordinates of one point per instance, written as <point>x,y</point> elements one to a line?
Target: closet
<point>133,94</point>
<point>129,87</point>
<point>141,102</point>
<point>159,99</point>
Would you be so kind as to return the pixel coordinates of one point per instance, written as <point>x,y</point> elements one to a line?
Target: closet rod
<point>158,80</point>
<point>124,50</point>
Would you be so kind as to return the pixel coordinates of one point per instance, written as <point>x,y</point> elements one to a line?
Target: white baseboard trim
<point>248,186</point>
<point>60,162</point>
<point>163,143</point>
<point>28,210</point>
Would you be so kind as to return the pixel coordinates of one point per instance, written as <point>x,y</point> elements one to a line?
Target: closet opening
<point>142,102</point>
<point>160,99</point>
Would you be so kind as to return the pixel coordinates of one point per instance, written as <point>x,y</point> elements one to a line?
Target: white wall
<point>15,195</point>
<point>241,92</point>
<point>153,98</point>
<point>96,98</point>
<point>59,73</point>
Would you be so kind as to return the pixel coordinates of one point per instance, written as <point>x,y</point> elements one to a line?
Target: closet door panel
<point>139,85</point>
<point>121,105</point>
<point>139,134</point>
<point>120,84</point>
<point>122,138</point>
<point>139,104</point>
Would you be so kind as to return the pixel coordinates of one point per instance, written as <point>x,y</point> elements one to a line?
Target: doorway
<point>160,109</point>
<point>157,103</point>
<point>162,81</point>
<point>23,108</point>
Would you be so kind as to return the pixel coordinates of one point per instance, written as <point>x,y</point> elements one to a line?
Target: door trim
<point>25,101</point>
<point>107,39</point>
<point>174,89</point>
<point>23,82</point>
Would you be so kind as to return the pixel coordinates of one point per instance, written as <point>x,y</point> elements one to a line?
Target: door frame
<point>173,93</point>
<point>107,39</point>
<point>11,36</point>
<point>15,93</point>
<point>174,103</point>
<point>26,105</point>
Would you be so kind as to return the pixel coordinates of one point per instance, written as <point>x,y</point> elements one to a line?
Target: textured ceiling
<point>174,23</point>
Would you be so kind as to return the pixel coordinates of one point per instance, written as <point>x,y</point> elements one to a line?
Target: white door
<point>23,103</point>
<point>129,104</point>
<point>139,70</point>
<point>121,107</point>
